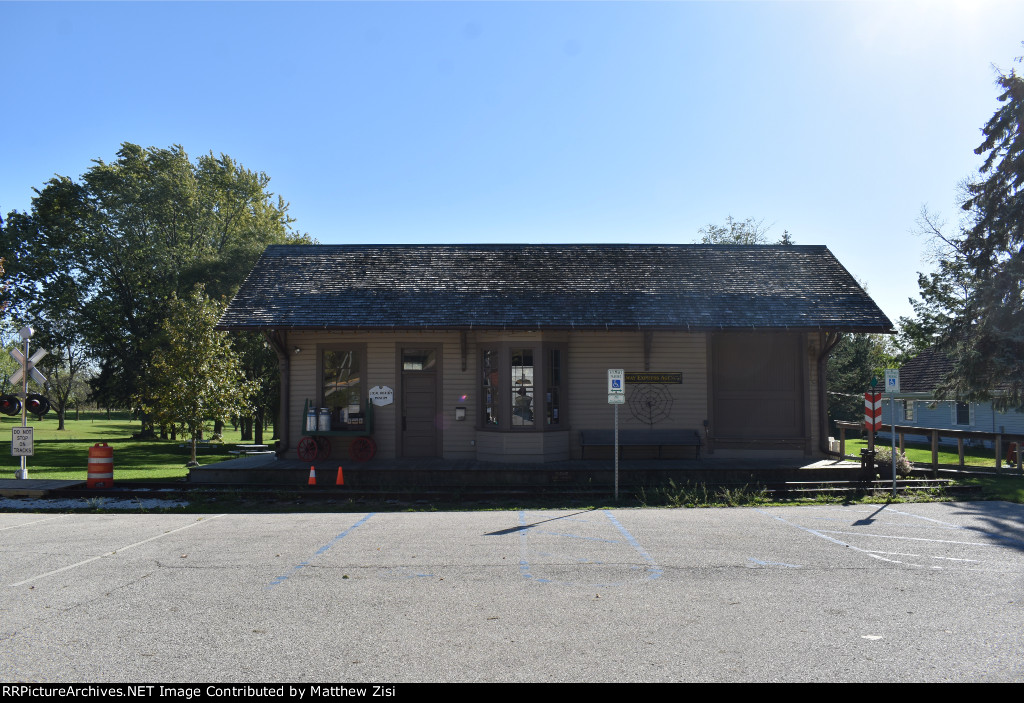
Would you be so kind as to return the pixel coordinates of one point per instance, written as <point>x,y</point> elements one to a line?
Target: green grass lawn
<point>921,454</point>
<point>64,454</point>
<point>1010,488</point>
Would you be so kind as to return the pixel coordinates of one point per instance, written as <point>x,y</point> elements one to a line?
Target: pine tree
<point>985,338</point>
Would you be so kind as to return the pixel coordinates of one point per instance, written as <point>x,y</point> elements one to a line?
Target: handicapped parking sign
<point>616,381</point>
<point>892,380</point>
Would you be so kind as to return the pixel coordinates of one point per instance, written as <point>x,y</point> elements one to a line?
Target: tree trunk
<point>246,429</point>
<point>218,428</point>
<point>60,419</point>
<point>259,425</point>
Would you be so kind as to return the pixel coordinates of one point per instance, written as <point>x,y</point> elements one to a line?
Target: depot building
<point>500,353</point>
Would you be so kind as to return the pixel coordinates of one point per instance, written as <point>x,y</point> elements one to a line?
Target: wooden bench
<point>640,438</point>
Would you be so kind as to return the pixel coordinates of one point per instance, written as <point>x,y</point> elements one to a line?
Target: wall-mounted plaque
<point>382,395</point>
<point>654,377</point>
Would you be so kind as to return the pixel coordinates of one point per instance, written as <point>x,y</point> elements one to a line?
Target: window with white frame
<point>963,414</point>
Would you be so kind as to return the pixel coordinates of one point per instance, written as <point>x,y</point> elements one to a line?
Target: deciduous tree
<point>749,231</point>
<point>195,375</point>
<point>106,252</point>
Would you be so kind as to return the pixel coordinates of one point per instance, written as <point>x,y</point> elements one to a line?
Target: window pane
<point>522,387</point>
<point>554,381</point>
<point>418,360</point>
<point>342,385</point>
<point>552,406</point>
<point>489,390</point>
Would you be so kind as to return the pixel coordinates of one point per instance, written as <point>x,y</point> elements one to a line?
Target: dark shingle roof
<point>558,286</point>
<point>924,372</point>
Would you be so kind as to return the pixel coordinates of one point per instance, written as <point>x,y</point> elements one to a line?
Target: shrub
<point>883,460</point>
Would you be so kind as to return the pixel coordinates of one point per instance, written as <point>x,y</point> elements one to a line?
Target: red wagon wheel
<point>323,448</point>
<point>307,449</point>
<point>362,449</point>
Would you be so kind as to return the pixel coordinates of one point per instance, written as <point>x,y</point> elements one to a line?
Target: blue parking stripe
<point>654,571</point>
<point>281,579</point>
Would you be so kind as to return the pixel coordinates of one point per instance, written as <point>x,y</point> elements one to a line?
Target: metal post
<point>892,426</point>
<point>616,453</point>
<point>23,473</point>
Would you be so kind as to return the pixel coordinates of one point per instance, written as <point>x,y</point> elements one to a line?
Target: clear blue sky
<point>532,121</point>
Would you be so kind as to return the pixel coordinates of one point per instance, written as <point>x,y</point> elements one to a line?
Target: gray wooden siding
<point>525,447</point>
<point>941,414</point>
<point>591,354</point>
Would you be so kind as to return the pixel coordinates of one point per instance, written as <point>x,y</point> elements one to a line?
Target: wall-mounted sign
<point>382,395</point>
<point>654,377</point>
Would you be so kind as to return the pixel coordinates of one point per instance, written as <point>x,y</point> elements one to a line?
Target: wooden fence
<point>1000,441</point>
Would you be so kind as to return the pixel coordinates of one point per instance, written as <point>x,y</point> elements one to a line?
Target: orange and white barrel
<point>101,466</point>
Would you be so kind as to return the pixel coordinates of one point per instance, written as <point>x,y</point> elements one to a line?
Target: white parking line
<point>115,551</point>
<point>819,533</point>
<point>913,539</point>
<point>34,522</point>
<point>922,517</point>
<point>921,556</point>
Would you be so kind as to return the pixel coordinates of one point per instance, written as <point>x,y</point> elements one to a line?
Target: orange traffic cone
<point>312,476</point>
<point>341,478</point>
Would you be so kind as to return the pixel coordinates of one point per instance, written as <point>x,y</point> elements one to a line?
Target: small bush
<point>883,460</point>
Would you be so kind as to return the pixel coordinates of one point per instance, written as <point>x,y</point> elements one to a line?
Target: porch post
<point>278,342</point>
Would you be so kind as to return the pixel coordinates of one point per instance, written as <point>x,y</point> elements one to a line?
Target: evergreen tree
<point>975,302</point>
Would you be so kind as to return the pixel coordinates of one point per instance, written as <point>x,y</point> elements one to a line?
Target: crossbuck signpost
<point>21,437</point>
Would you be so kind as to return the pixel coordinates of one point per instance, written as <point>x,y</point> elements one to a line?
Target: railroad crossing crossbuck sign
<point>29,364</point>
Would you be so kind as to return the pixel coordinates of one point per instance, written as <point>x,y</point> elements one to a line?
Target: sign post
<point>616,397</point>
<point>21,437</point>
<point>892,387</point>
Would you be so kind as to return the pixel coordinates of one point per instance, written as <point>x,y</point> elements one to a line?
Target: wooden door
<point>420,412</point>
<point>757,384</point>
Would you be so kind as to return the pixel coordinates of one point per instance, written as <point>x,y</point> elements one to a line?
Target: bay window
<point>521,386</point>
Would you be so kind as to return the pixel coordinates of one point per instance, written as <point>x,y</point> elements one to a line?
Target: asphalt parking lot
<point>905,592</point>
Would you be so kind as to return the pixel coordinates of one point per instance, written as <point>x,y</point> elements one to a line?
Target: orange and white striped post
<point>872,415</point>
